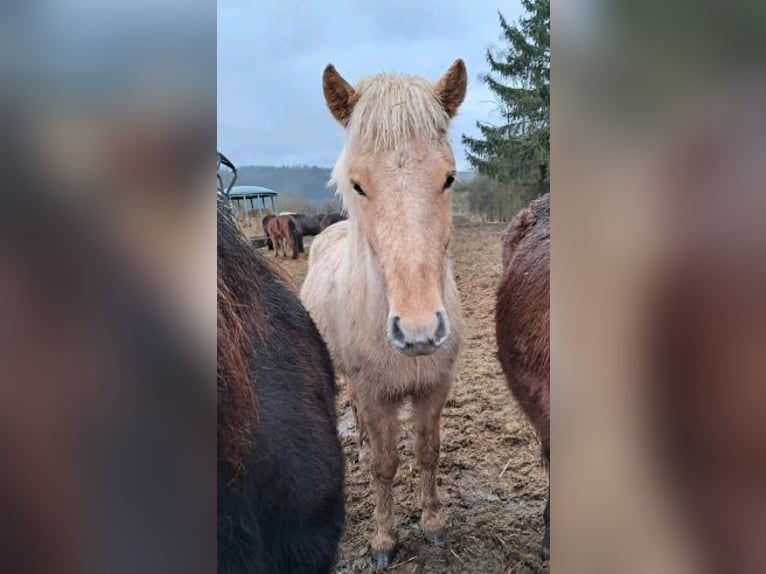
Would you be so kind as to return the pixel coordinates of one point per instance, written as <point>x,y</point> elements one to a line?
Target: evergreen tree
<point>518,150</point>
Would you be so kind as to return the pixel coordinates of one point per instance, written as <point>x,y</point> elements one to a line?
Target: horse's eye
<point>449,182</point>
<point>358,189</point>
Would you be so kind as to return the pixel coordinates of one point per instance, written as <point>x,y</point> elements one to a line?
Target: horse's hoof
<point>382,559</point>
<point>434,537</point>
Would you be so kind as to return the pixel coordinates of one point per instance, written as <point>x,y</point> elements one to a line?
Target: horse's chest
<point>392,374</point>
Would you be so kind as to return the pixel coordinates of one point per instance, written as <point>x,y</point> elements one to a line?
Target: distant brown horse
<point>306,225</point>
<point>331,218</point>
<point>283,234</point>
<point>280,463</point>
<point>380,285</point>
<point>522,319</point>
<point>265,220</point>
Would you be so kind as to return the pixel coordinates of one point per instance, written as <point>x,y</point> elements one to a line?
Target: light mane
<point>394,112</point>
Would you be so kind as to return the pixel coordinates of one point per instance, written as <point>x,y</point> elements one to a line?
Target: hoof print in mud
<point>434,537</point>
<point>383,559</point>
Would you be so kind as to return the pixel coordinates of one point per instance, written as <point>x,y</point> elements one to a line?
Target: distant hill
<point>308,183</point>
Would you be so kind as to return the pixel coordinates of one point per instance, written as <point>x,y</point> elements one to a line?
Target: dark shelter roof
<point>251,191</point>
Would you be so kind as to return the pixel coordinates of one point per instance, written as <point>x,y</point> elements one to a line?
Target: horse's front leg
<point>426,413</point>
<point>362,442</point>
<point>380,422</point>
<point>361,430</point>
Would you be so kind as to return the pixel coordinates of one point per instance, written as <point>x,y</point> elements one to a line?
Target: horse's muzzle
<point>419,339</point>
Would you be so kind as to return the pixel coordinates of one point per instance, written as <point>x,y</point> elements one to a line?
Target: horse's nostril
<point>397,335</point>
<point>441,328</point>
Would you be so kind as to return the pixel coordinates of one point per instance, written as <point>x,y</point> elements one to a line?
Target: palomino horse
<point>280,463</point>
<point>283,234</point>
<point>522,316</point>
<point>380,285</point>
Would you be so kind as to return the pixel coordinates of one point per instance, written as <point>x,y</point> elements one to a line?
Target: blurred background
<point>658,324</point>
<point>107,286</point>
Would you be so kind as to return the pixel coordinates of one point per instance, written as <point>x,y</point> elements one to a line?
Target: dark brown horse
<point>306,225</point>
<point>331,218</point>
<point>523,322</point>
<point>280,463</point>
<point>283,234</point>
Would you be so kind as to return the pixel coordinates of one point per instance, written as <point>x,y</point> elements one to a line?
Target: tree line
<point>512,157</point>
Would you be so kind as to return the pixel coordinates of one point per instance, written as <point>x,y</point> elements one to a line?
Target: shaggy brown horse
<point>522,319</point>
<point>280,463</point>
<point>283,234</point>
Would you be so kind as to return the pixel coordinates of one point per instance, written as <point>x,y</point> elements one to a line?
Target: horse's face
<point>405,212</point>
<point>402,199</point>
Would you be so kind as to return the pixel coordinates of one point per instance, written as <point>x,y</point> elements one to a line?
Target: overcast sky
<point>271,54</point>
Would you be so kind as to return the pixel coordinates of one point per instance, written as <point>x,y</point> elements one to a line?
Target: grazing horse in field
<point>269,243</point>
<point>280,463</point>
<point>331,218</point>
<point>283,234</point>
<point>306,225</point>
<point>522,317</point>
<point>380,285</point>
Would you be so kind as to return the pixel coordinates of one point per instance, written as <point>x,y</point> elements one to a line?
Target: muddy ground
<point>491,480</point>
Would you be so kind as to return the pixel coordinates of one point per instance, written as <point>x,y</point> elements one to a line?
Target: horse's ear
<point>339,94</point>
<point>450,88</point>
